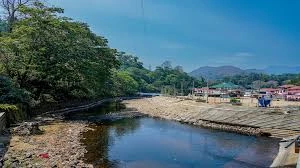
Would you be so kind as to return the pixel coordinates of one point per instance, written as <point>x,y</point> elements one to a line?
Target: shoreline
<point>280,122</point>
<point>58,146</point>
<point>239,119</point>
<point>244,130</point>
<point>61,139</point>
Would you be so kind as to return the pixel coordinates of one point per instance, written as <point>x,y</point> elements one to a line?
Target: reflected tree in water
<point>98,141</point>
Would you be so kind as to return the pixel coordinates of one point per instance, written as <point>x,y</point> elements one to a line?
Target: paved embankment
<point>278,122</point>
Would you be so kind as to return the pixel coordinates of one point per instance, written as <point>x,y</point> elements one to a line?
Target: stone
<point>28,155</point>
<point>27,128</point>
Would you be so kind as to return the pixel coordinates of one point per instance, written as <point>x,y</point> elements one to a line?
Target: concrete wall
<point>2,121</point>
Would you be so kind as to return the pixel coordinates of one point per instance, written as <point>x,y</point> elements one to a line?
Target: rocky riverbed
<point>58,146</point>
<point>54,141</point>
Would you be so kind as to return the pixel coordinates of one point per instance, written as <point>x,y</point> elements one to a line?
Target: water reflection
<point>147,142</point>
<point>91,114</point>
<point>157,143</point>
<point>99,140</point>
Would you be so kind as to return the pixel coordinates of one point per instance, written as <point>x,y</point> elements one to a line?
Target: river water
<point>154,143</point>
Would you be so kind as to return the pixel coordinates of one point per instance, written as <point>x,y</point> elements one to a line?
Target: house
<point>290,92</point>
<point>271,91</point>
<point>204,90</point>
<point>294,97</point>
<point>284,88</point>
<point>294,88</point>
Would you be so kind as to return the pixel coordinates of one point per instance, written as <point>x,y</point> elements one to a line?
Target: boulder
<point>27,128</point>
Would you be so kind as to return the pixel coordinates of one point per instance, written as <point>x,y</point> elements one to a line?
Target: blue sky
<point>194,33</point>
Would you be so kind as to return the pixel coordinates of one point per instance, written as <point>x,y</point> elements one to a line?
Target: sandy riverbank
<point>278,122</point>
<point>248,102</point>
<point>58,146</point>
<point>281,121</point>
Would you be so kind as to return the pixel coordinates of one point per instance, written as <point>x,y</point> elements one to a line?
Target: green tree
<point>49,54</point>
<point>3,26</point>
<point>124,84</point>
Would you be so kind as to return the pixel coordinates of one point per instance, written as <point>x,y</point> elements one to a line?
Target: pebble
<point>63,147</point>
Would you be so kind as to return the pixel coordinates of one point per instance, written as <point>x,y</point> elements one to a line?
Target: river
<point>148,142</point>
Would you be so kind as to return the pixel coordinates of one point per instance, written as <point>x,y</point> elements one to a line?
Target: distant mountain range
<point>214,73</point>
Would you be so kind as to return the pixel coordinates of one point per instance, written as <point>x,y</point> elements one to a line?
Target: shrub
<point>14,113</point>
<point>9,94</point>
<point>235,100</point>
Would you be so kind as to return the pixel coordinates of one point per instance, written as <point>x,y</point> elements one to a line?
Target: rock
<point>28,155</point>
<point>27,128</point>
<point>2,145</point>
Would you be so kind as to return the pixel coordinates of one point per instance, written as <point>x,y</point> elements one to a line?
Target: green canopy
<point>225,86</point>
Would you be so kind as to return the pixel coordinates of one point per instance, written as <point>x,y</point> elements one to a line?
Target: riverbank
<point>58,146</point>
<point>57,140</point>
<point>279,122</point>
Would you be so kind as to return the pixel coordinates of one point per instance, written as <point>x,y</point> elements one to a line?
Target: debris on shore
<point>26,129</point>
<point>53,142</point>
<point>58,145</point>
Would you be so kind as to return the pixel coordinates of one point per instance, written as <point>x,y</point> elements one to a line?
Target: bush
<point>9,94</point>
<point>14,113</point>
<point>235,100</point>
<point>7,107</point>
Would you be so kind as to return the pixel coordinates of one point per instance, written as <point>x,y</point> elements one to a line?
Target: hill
<point>214,73</point>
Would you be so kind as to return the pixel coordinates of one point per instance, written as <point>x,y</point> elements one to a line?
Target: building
<point>271,91</point>
<point>204,90</point>
<point>290,92</point>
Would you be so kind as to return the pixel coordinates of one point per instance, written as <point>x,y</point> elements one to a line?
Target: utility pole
<point>174,90</point>
<point>181,88</point>
<point>207,91</point>
<point>193,89</point>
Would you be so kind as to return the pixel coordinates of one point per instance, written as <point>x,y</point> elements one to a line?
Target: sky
<point>194,33</point>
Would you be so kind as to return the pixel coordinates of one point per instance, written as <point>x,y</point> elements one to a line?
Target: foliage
<point>14,113</point>
<point>295,81</point>
<point>124,84</point>
<point>49,58</point>
<point>235,100</point>
<point>256,80</point>
<point>8,107</point>
<point>3,26</point>
<point>11,94</point>
<point>164,77</point>
<point>71,62</point>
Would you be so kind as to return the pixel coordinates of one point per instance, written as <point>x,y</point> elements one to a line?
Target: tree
<point>258,84</point>
<point>128,61</point>
<point>11,8</point>
<point>3,26</point>
<point>10,94</point>
<point>124,84</point>
<point>166,65</point>
<point>65,63</point>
